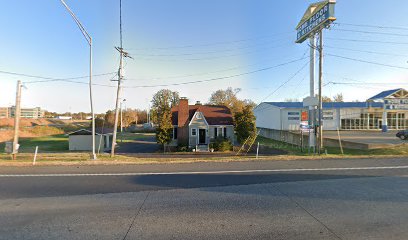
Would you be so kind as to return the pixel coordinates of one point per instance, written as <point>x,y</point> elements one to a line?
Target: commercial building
<point>4,112</point>
<point>34,113</point>
<point>384,111</point>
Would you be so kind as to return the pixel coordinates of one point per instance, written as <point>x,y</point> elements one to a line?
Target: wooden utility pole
<point>17,113</point>
<point>115,126</point>
<point>120,78</point>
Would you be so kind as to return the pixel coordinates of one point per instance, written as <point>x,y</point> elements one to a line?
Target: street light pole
<point>89,40</point>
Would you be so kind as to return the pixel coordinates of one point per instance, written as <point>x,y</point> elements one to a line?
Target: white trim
<point>86,130</point>
<point>191,132</point>
<point>194,117</point>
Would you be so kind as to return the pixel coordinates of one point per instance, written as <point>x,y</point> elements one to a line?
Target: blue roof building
<point>388,109</point>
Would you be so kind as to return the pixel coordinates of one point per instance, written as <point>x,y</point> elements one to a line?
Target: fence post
<point>341,146</point>
<point>35,154</point>
<point>257,151</point>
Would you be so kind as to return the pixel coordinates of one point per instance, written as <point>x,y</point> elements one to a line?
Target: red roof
<point>214,115</point>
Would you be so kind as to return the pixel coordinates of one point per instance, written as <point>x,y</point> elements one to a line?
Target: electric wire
<point>365,61</point>
<point>217,78</point>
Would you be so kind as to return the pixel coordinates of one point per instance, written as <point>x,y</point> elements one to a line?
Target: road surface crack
<point>310,214</point>
<point>137,214</point>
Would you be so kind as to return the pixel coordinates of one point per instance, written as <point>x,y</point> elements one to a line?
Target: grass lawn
<point>54,143</point>
<point>295,150</point>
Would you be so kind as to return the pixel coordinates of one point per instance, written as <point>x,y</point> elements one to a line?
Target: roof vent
<point>198,103</point>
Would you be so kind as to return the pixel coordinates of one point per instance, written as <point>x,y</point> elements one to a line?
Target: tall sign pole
<point>17,113</point>
<point>312,109</point>
<point>317,17</point>
<point>320,90</point>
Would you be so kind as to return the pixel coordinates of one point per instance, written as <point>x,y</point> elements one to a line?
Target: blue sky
<point>183,40</point>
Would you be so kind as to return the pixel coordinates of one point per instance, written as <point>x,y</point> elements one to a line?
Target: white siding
<point>268,116</point>
<point>288,121</point>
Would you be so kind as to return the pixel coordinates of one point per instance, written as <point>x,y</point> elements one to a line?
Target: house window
<point>225,132</point>
<point>215,132</point>
<point>199,116</point>
<point>219,132</point>
<point>175,133</point>
<point>194,132</point>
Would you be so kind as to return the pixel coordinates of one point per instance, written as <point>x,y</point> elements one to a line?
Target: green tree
<point>230,99</point>
<point>245,123</point>
<point>164,129</point>
<point>162,103</point>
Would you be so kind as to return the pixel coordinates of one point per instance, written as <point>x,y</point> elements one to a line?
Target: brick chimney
<point>183,112</point>
<point>183,115</point>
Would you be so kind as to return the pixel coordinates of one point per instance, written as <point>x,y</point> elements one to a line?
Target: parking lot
<point>367,137</point>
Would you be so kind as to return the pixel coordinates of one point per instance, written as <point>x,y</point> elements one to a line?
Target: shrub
<point>182,148</point>
<point>221,145</point>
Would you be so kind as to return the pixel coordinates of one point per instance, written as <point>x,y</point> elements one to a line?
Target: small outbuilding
<point>81,140</point>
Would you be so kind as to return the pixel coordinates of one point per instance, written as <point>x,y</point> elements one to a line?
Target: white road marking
<point>204,172</point>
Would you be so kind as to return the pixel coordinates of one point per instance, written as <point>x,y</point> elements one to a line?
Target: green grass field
<point>54,143</point>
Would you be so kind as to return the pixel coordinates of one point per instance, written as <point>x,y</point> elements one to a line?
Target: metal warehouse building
<point>386,110</point>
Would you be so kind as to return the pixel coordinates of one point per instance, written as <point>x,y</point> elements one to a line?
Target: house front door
<point>201,136</point>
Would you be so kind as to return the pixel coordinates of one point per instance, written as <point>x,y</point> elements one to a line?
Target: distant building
<point>64,117</point>
<point>33,113</point>
<point>386,110</point>
<point>81,140</point>
<point>4,112</point>
<point>198,125</point>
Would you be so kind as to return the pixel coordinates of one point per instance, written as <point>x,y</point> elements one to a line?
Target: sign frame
<point>321,17</point>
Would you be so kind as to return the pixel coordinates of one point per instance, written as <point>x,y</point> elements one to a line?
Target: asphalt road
<point>325,199</point>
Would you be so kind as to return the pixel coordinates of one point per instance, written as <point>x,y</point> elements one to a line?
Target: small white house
<point>81,140</point>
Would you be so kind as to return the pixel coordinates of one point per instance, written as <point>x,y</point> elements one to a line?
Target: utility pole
<point>17,112</point>
<point>120,78</point>
<point>320,90</point>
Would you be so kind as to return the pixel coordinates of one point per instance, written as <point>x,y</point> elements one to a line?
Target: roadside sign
<point>317,16</point>
<point>305,116</point>
<point>310,102</point>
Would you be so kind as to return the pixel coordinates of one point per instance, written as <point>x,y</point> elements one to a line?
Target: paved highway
<point>324,199</point>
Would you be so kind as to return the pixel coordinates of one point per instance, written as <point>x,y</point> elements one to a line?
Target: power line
<point>213,57</point>
<point>280,86</point>
<point>195,74</point>
<point>214,43</point>
<point>367,41</point>
<point>365,61</point>
<point>50,79</point>
<point>284,83</point>
<point>370,32</point>
<point>371,26</point>
<point>364,51</point>
<point>218,78</point>
<point>207,52</point>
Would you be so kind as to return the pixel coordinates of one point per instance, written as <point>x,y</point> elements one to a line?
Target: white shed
<point>81,140</point>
